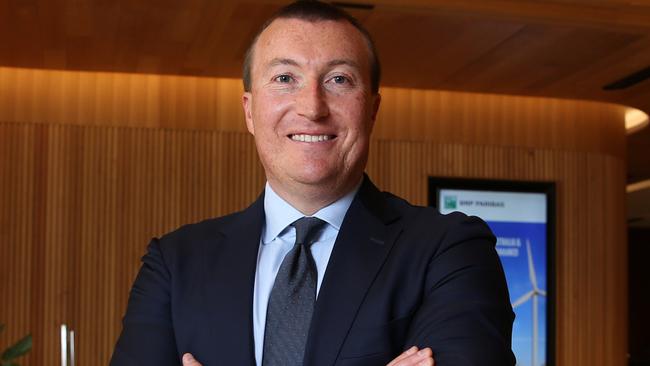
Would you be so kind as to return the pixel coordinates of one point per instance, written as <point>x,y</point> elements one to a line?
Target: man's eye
<point>340,79</point>
<point>283,78</point>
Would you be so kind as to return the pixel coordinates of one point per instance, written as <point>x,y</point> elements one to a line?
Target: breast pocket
<point>375,343</point>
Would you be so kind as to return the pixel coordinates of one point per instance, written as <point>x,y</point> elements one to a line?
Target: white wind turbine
<point>532,294</point>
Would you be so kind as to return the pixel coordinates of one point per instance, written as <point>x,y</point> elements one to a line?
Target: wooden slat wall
<point>80,200</point>
<point>133,100</point>
<point>79,204</point>
<point>114,99</point>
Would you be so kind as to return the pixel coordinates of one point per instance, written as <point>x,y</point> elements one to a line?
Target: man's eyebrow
<point>282,61</point>
<point>288,61</point>
<point>343,62</point>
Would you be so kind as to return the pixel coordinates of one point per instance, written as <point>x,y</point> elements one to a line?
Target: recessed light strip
<point>629,80</point>
<point>638,186</point>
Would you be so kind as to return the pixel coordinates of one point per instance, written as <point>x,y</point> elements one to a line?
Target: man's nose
<point>311,102</point>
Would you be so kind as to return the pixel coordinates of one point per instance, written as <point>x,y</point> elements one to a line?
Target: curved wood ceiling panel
<point>529,47</point>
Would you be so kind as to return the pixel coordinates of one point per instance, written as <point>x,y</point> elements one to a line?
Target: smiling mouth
<point>311,138</point>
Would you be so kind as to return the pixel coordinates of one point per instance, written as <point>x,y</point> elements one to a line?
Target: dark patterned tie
<point>292,300</point>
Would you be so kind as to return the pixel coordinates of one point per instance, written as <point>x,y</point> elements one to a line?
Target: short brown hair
<point>314,11</point>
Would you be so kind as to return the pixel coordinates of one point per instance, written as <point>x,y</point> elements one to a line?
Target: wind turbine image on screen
<point>533,295</point>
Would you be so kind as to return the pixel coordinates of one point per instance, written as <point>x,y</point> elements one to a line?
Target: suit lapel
<point>366,237</point>
<point>230,276</point>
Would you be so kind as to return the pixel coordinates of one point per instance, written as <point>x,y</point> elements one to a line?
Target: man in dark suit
<point>323,269</point>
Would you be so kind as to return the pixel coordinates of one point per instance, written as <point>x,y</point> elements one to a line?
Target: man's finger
<point>404,355</point>
<point>423,357</point>
<point>188,360</point>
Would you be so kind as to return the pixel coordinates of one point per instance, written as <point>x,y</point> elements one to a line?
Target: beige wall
<point>94,164</point>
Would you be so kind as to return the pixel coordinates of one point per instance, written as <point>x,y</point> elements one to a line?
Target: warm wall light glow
<point>635,120</point>
<point>638,186</point>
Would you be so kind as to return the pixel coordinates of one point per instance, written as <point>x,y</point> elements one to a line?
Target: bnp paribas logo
<point>451,202</point>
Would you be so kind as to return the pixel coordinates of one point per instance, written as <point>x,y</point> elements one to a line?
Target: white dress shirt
<point>277,240</point>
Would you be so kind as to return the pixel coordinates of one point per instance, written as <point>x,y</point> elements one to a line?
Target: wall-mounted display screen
<point>519,214</point>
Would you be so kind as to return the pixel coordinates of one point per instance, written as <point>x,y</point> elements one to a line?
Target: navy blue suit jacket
<point>399,275</point>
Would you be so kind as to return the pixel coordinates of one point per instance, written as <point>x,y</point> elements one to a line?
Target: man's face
<point>310,107</point>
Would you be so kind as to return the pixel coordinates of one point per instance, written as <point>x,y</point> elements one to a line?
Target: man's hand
<point>413,357</point>
<point>410,357</point>
<point>188,360</point>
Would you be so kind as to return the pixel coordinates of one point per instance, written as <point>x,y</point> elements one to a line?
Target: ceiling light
<point>635,120</point>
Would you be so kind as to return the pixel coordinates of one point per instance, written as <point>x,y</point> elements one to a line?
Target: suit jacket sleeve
<point>465,315</point>
<point>147,336</point>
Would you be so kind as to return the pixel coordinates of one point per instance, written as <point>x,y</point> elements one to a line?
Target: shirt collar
<point>280,214</point>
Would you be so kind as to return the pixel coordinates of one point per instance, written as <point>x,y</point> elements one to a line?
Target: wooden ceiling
<point>562,48</point>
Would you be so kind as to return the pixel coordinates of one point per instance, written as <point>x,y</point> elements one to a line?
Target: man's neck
<point>311,199</point>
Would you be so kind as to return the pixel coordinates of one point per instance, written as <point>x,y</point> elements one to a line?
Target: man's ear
<point>247,104</point>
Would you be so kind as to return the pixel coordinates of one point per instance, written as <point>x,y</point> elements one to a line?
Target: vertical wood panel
<point>115,99</point>
<point>79,206</point>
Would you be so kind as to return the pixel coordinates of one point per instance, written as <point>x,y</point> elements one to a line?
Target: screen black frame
<point>435,184</point>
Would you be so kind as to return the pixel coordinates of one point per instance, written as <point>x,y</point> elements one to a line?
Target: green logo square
<point>451,202</point>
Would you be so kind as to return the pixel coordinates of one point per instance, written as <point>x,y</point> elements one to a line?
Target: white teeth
<point>310,138</point>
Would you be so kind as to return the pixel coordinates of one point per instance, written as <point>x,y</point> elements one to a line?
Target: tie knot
<point>306,229</point>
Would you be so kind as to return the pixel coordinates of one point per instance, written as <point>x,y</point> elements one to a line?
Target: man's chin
<point>325,184</point>
<point>315,180</point>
